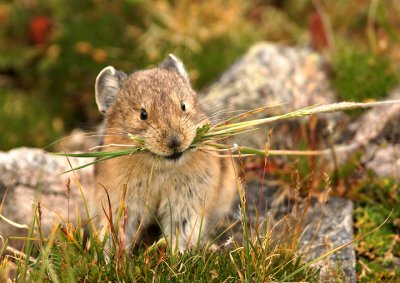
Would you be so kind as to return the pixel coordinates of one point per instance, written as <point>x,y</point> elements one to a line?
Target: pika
<point>183,191</point>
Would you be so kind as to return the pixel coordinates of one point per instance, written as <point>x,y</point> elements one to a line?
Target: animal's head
<point>157,105</point>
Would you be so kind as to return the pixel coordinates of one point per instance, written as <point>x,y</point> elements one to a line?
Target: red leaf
<point>39,30</point>
<point>319,39</point>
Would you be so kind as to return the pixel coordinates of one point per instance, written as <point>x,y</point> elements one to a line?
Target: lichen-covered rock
<point>377,132</point>
<point>271,74</point>
<point>79,140</point>
<point>29,176</point>
<point>380,124</point>
<point>328,226</point>
<point>383,160</point>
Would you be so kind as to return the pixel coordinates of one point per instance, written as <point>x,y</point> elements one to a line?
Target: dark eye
<point>143,114</point>
<point>183,106</point>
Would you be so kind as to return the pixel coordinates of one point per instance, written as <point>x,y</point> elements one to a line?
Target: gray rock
<point>383,159</point>
<point>29,176</point>
<point>377,132</point>
<point>380,124</point>
<point>325,226</point>
<point>329,226</point>
<point>271,74</point>
<point>79,140</point>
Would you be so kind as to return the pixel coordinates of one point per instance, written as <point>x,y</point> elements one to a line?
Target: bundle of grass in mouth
<point>209,135</point>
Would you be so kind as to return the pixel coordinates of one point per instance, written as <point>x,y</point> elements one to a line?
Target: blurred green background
<point>51,51</point>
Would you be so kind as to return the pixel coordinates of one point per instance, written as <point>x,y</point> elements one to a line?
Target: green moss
<point>27,121</point>
<point>361,75</point>
<point>376,253</point>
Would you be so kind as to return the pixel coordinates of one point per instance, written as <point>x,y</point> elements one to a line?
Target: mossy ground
<point>379,254</point>
<point>376,200</point>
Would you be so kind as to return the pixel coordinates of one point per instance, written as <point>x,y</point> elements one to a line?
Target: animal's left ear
<point>174,64</point>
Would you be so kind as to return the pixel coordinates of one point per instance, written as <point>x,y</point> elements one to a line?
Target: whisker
<point>225,155</point>
<point>111,145</point>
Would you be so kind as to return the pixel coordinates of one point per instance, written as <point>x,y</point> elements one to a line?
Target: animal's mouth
<point>174,156</point>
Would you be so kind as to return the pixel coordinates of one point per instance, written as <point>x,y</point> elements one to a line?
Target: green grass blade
<point>90,163</point>
<point>98,153</point>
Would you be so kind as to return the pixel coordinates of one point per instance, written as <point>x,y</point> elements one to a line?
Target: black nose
<point>174,143</point>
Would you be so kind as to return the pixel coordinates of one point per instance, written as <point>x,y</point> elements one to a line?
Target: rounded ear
<point>108,83</point>
<point>174,64</point>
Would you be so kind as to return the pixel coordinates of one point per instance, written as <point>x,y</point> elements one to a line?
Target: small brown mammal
<point>187,191</point>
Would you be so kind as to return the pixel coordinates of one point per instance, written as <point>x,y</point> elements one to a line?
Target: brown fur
<point>187,195</point>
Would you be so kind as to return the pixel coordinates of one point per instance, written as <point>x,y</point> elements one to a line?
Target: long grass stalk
<point>208,136</point>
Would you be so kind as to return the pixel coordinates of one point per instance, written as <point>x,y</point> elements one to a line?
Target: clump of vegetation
<point>378,254</point>
<point>361,75</point>
<point>65,261</point>
<point>25,122</point>
<point>65,255</point>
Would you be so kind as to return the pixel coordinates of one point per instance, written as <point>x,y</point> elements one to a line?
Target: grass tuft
<point>363,75</point>
<point>65,255</point>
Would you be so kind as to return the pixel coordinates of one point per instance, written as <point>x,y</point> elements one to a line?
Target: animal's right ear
<point>108,83</point>
<point>174,64</point>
